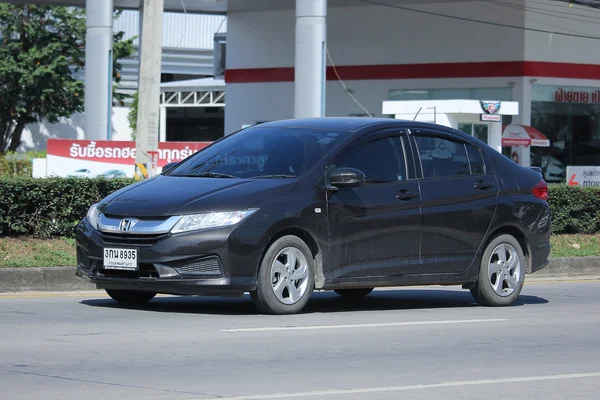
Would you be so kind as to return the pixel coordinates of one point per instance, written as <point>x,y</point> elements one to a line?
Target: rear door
<point>458,200</point>
<point>374,229</point>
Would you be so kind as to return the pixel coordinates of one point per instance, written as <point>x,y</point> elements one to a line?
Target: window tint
<point>381,160</point>
<point>261,152</point>
<point>442,157</point>
<point>476,160</point>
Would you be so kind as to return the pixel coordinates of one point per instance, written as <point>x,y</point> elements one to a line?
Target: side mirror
<point>347,177</point>
<point>170,165</point>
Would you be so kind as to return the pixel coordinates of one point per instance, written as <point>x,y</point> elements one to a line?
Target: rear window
<point>442,157</point>
<point>476,160</point>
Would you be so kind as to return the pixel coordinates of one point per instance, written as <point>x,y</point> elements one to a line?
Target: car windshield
<point>262,153</point>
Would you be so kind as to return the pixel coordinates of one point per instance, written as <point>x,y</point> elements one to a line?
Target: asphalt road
<point>416,343</point>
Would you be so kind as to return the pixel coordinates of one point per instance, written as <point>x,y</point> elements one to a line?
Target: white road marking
<point>340,392</point>
<point>405,323</point>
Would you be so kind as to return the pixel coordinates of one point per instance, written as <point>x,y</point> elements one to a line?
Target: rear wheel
<point>501,274</point>
<point>130,296</point>
<point>356,293</point>
<point>285,277</point>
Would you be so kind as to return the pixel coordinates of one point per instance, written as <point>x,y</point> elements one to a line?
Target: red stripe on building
<point>426,71</point>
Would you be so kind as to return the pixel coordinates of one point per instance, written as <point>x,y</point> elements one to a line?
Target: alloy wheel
<point>289,275</point>
<point>504,269</point>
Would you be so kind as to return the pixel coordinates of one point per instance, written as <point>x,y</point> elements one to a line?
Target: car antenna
<point>417,114</point>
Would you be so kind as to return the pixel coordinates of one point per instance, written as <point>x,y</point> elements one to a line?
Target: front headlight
<point>93,215</point>
<point>210,220</point>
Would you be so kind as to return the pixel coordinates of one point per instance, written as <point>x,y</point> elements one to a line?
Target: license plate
<point>126,259</point>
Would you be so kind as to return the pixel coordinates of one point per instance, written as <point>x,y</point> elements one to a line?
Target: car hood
<point>170,195</point>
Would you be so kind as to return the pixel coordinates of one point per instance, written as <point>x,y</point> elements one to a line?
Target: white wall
<point>35,136</point>
<point>370,35</point>
<point>557,16</point>
<point>375,35</point>
<point>378,35</point>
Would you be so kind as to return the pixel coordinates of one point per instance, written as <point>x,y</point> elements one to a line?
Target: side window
<point>442,157</point>
<point>381,160</point>
<point>476,160</point>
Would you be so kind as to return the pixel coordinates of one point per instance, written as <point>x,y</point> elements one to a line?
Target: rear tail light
<point>540,190</point>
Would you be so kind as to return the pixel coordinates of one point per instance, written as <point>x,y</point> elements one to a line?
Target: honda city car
<point>286,208</point>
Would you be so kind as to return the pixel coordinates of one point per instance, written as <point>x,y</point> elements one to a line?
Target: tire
<point>492,273</point>
<point>274,294</point>
<point>355,293</point>
<point>130,296</point>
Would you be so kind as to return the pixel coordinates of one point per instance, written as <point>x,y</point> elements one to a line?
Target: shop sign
<point>490,107</point>
<point>574,96</point>
<point>491,118</point>
<point>68,157</point>
<point>583,176</point>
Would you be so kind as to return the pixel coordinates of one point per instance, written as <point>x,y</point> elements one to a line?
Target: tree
<point>132,116</point>
<point>41,52</point>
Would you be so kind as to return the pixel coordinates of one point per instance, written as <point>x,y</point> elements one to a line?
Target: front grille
<point>144,271</point>
<point>132,239</point>
<point>201,266</point>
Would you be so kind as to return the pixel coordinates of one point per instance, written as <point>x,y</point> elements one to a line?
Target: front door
<point>458,201</point>
<point>374,229</point>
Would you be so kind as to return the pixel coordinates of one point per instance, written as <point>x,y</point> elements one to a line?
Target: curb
<point>49,279</point>
<point>63,279</point>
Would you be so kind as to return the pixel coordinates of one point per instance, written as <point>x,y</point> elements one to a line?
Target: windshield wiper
<point>209,175</point>
<point>281,176</point>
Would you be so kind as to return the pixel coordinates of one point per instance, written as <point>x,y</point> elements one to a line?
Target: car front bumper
<point>211,262</point>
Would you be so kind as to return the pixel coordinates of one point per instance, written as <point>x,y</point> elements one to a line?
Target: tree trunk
<point>16,136</point>
<point>4,135</point>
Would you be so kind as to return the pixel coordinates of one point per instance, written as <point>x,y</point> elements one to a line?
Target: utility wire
<point>533,21</point>
<point>541,11</point>
<point>377,3</point>
<point>343,84</point>
<point>185,23</point>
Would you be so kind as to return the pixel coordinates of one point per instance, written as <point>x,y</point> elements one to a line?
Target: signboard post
<point>583,176</point>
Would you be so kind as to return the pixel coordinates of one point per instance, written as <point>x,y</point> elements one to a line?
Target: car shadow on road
<point>320,302</point>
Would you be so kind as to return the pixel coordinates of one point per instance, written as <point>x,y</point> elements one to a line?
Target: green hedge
<point>52,207</point>
<point>574,209</point>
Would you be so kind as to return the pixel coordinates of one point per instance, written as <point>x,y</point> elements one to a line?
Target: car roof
<point>349,124</point>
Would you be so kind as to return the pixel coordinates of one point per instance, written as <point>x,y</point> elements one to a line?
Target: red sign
<point>120,152</point>
<point>563,96</point>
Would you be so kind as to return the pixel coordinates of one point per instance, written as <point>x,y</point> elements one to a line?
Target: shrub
<point>18,164</point>
<point>575,209</point>
<point>50,207</point>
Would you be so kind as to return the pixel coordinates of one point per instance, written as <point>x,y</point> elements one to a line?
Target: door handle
<point>483,185</point>
<point>406,195</point>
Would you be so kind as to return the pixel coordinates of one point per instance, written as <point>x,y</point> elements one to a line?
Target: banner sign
<point>583,176</point>
<point>67,157</point>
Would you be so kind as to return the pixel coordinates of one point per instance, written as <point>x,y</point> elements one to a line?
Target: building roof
<point>193,85</point>
<point>225,6</point>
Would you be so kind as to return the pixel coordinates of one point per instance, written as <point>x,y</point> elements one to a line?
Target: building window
<point>570,117</point>
<point>498,94</point>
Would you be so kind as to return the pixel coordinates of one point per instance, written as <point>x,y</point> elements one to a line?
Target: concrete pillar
<point>495,136</point>
<point>310,64</point>
<point>98,69</point>
<point>163,124</point>
<point>522,94</point>
<point>149,89</point>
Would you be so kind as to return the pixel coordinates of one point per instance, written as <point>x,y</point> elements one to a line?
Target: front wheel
<point>501,274</point>
<point>130,296</point>
<point>285,277</point>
